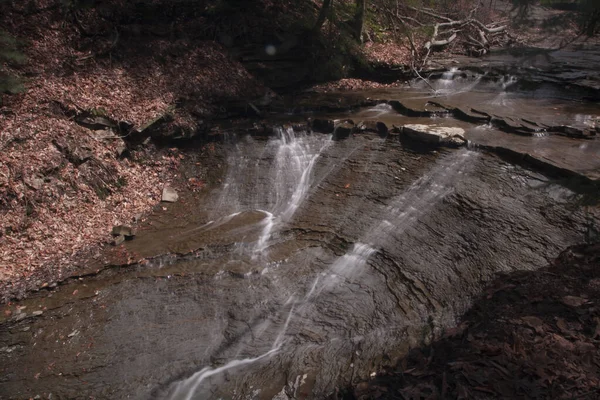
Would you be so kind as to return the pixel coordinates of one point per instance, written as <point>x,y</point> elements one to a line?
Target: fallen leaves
<point>352,84</point>
<point>53,205</point>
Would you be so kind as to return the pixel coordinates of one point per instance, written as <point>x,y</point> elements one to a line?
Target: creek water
<point>312,263</point>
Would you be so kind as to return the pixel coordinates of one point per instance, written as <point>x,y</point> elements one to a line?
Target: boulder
<point>435,135</point>
<point>343,130</point>
<point>323,125</point>
<point>373,126</point>
<point>382,128</point>
<point>367,126</point>
<point>169,195</point>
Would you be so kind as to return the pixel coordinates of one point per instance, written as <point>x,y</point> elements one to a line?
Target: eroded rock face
<point>436,135</point>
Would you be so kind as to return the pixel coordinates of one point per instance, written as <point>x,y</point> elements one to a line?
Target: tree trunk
<point>359,19</point>
<point>323,14</point>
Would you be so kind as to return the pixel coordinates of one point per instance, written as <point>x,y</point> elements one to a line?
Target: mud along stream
<point>315,261</point>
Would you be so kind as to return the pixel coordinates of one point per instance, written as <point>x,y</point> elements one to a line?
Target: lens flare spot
<point>270,50</point>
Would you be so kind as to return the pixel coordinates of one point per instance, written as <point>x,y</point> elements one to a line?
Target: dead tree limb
<point>467,32</point>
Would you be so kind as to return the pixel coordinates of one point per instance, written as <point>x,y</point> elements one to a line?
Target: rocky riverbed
<point>324,241</point>
<point>307,263</point>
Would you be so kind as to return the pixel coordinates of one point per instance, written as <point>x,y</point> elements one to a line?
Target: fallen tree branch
<point>468,32</point>
<point>430,13</point>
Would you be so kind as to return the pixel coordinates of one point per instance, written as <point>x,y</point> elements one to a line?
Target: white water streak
<point>186,389</point>
<point>292,175</point>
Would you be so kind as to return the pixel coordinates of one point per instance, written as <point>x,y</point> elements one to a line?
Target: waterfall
<point>291,178</point>
<point>402,212</point>
<point>276,183</point>
<point>447,78</point>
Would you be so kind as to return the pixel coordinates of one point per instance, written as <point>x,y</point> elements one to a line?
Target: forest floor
<point>64,184</point>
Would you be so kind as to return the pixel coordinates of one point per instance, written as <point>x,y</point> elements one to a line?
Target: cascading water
<point>275,184</point>
<point>379,110</point>
<point>291,174</point>
<point>339,279</point>
<point>452,82</point>
<point>502,99</point>
<point>447,77</point>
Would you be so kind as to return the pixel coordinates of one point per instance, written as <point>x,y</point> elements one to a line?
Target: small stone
<point>101,134</point>
<point>37,313</point>
<point>574,301</point>
<point>169,195</point>
<point>369,126</point>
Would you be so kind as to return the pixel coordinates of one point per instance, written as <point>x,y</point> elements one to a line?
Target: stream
<point>311,262</point>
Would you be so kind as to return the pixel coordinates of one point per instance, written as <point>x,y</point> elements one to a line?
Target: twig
<point>426,81</point>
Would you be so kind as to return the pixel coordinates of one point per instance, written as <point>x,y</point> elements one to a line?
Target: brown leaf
<point>562,325</point>
<point>574,301</point>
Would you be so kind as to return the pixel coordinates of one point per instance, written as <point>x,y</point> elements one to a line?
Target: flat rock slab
<point>437,135</point>
<point>580,157</point>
